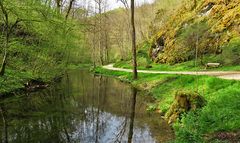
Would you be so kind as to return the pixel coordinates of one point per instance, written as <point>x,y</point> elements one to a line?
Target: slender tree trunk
<point>106,30</point>
<point>69,8</point>
<point>94,40</point>
<point>100,32</point>
<point>106,37</point>
<point>4,62</point>
<point>94,48</point>
<point>134,48</point>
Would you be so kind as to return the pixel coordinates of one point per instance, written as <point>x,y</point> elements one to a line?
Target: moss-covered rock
<point>184,102</point>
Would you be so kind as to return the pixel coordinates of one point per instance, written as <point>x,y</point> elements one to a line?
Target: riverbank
<point>14,80</point>
<point>106,105</point>
<point>221,114</point>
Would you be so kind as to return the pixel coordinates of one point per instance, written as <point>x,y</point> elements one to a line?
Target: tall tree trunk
<point>94,40</point>
<point>4,62</point>
<point>100,32</point>
<point>69,8</point>
<point>134,47</point>
<point>106,37</point>
<point>94,47</point>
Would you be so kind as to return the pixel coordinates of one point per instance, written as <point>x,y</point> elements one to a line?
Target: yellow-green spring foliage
<point>198,27</point>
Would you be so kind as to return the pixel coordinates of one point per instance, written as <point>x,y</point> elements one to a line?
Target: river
<point>82,108</point>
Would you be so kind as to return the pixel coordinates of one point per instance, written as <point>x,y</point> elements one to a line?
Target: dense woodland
<point>41,40</point>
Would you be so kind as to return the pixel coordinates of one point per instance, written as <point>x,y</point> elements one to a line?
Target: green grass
<point>186,66</point>
<point>220,114</point>
<point>229,60</point>
<point>13,80</point>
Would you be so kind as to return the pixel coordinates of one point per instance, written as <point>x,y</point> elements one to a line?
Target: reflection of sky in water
<point>108,124</point>
<point>82,108</point>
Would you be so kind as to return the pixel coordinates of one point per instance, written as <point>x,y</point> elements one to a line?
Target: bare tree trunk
<point>4,62</point>
<point>100,32</point>
<point>106,36</point>
<point>106,46</point>
<point>134,47</point>
<point>94,47</point>
<point>69,8</point>
<point>94,39</point>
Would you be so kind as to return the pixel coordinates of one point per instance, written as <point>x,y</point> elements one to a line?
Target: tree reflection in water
<point>130,134</point>
<point>81,108</point>
<point>5,124</point>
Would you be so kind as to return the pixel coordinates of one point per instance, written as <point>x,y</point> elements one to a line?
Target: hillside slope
<point>199,27</point>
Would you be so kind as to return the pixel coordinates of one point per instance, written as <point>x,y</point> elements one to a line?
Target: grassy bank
<point>14,80</point>
<point>220,115</point>
<point>185,66</point>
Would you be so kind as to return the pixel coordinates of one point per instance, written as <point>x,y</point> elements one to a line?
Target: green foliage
<point>42,42</point>
<point>191,37</point>
<point>221,112</point>
<point>184,102</point>
<point>13,81</point>
<point>214,28</point>
<point>231,52</point>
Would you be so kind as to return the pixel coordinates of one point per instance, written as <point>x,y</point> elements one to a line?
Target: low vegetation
<point>195,33</point>
<point>37,42</point>
<point>220,112</point>
<point>198,27</point>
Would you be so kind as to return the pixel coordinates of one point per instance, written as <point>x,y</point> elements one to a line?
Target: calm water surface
<point>81,108</point>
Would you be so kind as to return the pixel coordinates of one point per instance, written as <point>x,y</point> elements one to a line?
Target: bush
<point>231,52</point>
<point>221,114</point>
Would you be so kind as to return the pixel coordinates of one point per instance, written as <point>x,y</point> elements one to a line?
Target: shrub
<point>231,52</point>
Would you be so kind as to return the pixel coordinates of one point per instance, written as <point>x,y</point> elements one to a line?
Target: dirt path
<point>231,75</point>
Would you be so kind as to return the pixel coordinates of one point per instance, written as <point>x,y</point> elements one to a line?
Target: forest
<point>107,71</point>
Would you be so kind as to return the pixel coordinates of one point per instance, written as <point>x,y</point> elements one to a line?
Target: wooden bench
<point>212,65</point>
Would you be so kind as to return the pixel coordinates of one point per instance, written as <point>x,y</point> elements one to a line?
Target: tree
<point>69,8</point>
<point>8,28</point>
<point>58,4</point>
<point>134,46</point>
<point>7,34</point>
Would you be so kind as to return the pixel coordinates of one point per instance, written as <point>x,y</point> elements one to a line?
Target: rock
<point>183,102</point>
<point>207,10</point>
<point>157,47</point>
